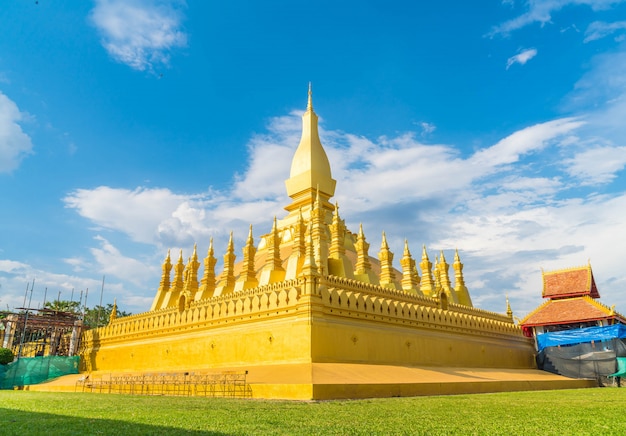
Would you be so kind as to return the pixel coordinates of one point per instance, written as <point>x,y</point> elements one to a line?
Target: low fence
<point>225,384</point>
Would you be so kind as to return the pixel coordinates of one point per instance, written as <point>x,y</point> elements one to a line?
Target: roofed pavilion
<point>573,302</point>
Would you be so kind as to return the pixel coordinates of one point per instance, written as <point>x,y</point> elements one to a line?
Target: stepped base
<point>327,381</point>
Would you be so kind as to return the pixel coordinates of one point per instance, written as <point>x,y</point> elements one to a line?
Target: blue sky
<point>130,127</point>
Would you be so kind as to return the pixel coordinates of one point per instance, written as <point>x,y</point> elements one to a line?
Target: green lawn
<point>598,411</point>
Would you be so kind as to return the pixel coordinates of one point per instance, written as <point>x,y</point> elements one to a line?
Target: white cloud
<point>15,145</point>
<point>521,58</point>
<point>126,279</point>
<point>270,159</point>
<point>600,29</point>
<point>509,244</point>
<point>425,192</point>
<point>534,138</point>
<point>11,266</point>
<point>77,264</point>
<point>546,196</point>
<point>541,11</point>
<point>112,262</point>
<point>15,276</point>
<point>427,128</point>
<point>139,33</point>
<point>136,213</point>
<point>598,165</point>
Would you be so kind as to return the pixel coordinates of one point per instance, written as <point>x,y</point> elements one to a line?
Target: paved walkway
<point>340,380</point>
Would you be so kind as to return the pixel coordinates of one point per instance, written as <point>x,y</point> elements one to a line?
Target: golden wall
<point>336,320</point>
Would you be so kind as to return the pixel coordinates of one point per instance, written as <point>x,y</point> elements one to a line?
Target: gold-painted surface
<point>307,295</point>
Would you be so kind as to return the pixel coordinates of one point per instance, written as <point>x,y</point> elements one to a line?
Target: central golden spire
<point>310,168</point>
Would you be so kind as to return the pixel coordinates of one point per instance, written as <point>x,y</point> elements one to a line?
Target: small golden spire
<point>309,267</point>
<point>207,284</point>
<point>113,315</point>
<point>410,278</point>
<point>164,284</point>
<point>337,235</point>
<point>179,271</point>
<point>299,240</point>
<point>509,312</point>
<point>229,267</point>
<point>191,284</point>
<point>273,259</point>
<point>387,274</point>
<point>459,282</point>
<point>427,284</point>
<point>231,244</point>
<point>363,266</point>
<point>247,279</point>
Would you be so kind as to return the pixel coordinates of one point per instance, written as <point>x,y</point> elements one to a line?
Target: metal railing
<point>224,384</point>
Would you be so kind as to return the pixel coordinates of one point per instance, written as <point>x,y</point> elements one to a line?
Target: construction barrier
<point>34,370</point>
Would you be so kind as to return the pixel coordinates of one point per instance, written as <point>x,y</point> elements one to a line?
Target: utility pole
<point>100,306</point>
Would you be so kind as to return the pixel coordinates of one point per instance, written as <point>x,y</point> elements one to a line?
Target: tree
<point>6,356</point>
<point>99,316</point>
<point>63,306</point>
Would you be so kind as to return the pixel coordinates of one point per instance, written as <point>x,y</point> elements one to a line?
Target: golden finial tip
<point>309,105</point>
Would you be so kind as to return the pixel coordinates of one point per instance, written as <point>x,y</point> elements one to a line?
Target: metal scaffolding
<point>40,332</point>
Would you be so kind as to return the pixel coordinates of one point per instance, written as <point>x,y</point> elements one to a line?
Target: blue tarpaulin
<point>579,336</point>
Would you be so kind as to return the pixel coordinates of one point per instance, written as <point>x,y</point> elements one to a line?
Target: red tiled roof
<point>569,310</point>
<point>571,282</point>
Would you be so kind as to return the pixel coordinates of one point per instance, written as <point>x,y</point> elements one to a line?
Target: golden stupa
<point>310,315</point>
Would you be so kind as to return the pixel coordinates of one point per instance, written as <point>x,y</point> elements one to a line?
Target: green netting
<point>34,370</point>
<point>3,370</point>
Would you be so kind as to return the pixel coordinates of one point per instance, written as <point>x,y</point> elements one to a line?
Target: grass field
<point>599,411</point>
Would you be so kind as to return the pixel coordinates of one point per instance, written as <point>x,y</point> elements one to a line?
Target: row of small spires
<point>436,279</point>
<point>317,257</point>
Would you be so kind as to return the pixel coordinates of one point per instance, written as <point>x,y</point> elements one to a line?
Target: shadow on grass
<point>21,422</point>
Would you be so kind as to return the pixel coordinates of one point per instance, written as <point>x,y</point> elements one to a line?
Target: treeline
<point>98,316</point>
